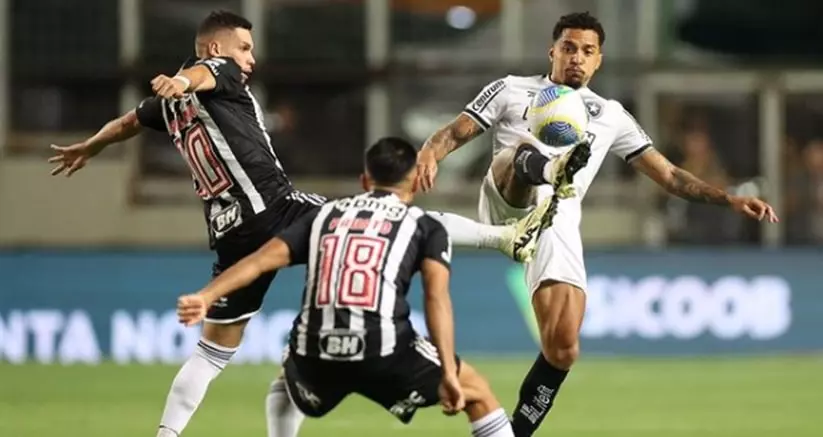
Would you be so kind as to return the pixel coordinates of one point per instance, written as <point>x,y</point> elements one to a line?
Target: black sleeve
<point>297,237</point>
<point>226,74</point>
<point>150,114</point>
<point>436,243</point>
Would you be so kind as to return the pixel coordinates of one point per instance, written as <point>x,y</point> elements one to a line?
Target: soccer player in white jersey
<point>523,173</point>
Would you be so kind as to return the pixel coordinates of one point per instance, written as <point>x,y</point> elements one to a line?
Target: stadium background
<point>699,323</point>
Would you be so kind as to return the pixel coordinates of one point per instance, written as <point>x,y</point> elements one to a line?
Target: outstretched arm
<point>445,140</point>
<point>289,248</point>
<point>272,256</point>
<point>683,184</point>
<point>487,108</point>
<point>192,308</point>
<point>71,158</point>
<point>452,136</point>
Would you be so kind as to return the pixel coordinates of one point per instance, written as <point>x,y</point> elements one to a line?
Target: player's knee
<point>559,308</point>
<point>562,357</point>
<point>515,192</point>
<point>561,343</point>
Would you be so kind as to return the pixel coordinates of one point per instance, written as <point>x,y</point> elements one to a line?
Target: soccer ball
<point>557,116</point>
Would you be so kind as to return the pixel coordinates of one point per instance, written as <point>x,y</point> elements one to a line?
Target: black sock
<point>537,395</point>
<point>529,164</point>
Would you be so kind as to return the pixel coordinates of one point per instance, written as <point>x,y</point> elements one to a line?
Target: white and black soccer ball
<point>557,116</point>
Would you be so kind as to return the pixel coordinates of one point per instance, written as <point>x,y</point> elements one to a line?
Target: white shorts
<point>559,255</point>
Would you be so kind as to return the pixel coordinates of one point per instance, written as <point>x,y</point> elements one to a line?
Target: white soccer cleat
<point>565,166</point>
<point>523,234</point>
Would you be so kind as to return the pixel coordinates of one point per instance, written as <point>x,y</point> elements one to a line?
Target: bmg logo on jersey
<point>342,344</point>
<point>393,211</point>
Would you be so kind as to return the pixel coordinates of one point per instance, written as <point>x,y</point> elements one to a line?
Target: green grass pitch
<point>746,397</point>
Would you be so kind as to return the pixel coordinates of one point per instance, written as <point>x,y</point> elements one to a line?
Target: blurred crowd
<point>67,80</point>
<point>718,142</point>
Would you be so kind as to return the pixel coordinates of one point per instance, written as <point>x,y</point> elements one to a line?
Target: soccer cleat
<point>565,166</point>
<point>522,241</point>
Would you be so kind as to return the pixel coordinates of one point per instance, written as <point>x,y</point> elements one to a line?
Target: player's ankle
<point>491,423</point>
<point>529,165</point>
<point>163,431</point>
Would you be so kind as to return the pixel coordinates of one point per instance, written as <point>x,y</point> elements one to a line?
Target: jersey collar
<point>382,193</point>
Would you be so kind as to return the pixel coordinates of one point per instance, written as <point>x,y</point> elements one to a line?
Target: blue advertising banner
<point>84,307</point>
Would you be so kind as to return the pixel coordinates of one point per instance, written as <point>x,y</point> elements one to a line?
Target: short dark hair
<point>579,20</point>
<point>390,160</point>
<point>220,20</point>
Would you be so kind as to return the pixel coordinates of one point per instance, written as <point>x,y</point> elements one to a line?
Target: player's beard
<point>573,80</point>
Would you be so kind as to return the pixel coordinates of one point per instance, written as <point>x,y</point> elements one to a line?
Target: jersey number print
<point>198,148</point>
<point>354,281</point>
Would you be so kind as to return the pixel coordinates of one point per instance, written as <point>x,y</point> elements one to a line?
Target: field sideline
<point>746,397</point>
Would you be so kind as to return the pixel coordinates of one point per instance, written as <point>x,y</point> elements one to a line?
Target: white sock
<point>467,232</point>
<point>190,385</point>
<point>494,424</point>
<point>282,416</point>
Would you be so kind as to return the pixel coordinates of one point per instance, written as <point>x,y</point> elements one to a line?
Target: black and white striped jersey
<point>223,139</point>
<point>361,254</point>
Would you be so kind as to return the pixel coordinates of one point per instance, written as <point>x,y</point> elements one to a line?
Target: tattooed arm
<point>446,140</point>
<point>678,181</point>
<point>685,185</point>
<point>452,136</point>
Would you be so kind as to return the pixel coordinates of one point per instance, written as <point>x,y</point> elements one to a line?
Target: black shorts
<point>401,383</point>
<point>250,236</point>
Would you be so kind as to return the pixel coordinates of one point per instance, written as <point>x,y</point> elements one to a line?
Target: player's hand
<point>191,309</point>
<point>754,208</point>
<point>168,87</point>
<point>69,159</point>
<point>426,169</point>
<point>451,395</point>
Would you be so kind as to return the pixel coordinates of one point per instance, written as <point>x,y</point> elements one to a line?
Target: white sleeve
<point>631,140</point>
<point>489,105</point>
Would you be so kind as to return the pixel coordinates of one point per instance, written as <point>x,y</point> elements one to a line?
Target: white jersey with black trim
<point>501,108</point>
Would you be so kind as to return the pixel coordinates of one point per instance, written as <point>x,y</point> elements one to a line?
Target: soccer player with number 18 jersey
<point>353,333</point>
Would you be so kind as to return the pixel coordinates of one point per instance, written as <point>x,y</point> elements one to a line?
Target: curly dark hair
<point>579,20</point>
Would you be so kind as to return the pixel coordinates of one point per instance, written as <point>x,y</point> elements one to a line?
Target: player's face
<point>575,57</point>
<point>238,45</point>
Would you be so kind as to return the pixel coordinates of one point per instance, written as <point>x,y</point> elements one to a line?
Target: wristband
<point>185,81</point>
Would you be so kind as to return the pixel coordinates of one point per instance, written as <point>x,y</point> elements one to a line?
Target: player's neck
<point>401,194</point>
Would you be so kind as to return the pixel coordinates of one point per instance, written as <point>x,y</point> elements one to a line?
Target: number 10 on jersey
<point>350,268</point>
